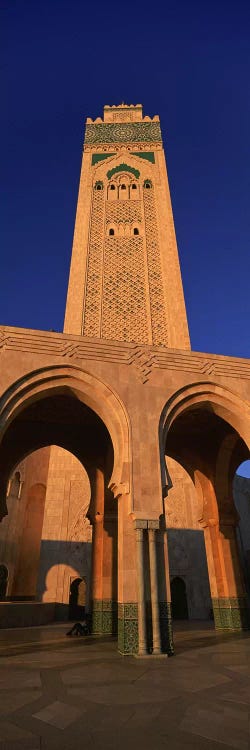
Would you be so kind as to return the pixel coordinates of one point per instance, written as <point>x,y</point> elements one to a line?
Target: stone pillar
<point>164,589</point>
<point>109,574</point>
<point>142,636</point>
<point>127,579</point>
<point>227,585</point>
<point>97,550</point>
<point>152,526</point>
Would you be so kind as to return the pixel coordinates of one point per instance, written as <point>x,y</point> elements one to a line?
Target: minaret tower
<point>125,280</point>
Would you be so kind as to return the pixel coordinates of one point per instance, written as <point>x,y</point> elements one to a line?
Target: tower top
<point>122,113</point>
<point>132,126</point>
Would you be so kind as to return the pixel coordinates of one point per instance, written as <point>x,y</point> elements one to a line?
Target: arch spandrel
<point>95,394</point>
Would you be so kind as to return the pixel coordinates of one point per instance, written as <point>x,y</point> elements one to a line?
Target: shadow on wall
<point>188,564</point>
<point>58,558</point>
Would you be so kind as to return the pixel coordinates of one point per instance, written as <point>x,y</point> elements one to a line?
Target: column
<point>152,526</point>
<point>142,637</point>
<point>97,517</point>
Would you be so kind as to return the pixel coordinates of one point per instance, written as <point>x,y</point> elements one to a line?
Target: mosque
<point>119,445</point>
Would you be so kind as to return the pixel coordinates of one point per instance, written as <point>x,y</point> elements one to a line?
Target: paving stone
<point>94,698</point>
<point>58,714</point>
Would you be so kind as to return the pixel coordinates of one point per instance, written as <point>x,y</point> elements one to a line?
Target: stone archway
<point>68,408</point>
<point>207,430</point>
<point>88,389</point>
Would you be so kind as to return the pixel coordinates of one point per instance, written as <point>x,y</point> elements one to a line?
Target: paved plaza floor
<point>59,693</point>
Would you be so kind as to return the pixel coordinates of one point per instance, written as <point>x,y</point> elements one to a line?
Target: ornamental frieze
<point>135,132</point>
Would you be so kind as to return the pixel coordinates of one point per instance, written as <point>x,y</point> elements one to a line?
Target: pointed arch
<point>224,402</point>
<point>90,390</point>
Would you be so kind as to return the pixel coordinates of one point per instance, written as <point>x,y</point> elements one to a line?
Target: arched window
<point>133,186</point>
<point>136,231</point>
<point>123,187</point>
<point>112,187</point>
<point>99,185</point>
<point>147,184</point>
<point>111,232</point>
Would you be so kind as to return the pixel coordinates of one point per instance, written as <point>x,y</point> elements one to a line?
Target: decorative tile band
<point>135,132</point>
<point>128,628</point>
<point>166,629</point>
<point>104,617</point>
<point>231,613</point>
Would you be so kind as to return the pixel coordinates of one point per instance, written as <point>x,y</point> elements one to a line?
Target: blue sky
<point>187,61</point>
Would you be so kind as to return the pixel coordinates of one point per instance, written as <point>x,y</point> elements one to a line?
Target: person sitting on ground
<point>79,629</point>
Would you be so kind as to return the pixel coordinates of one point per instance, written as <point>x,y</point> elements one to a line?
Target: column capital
<point>153,524</point>
<point>140,523</point>
<point>146,523</point>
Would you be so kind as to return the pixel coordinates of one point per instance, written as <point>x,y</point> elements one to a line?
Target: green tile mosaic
<point>136,132</point>
<point>128,628</point>
<point>123,168</point>
<point>100,157</point>
<point>104,616</point>
<point>166,628</point>
<point>231,613</point>
<point>149,155</point>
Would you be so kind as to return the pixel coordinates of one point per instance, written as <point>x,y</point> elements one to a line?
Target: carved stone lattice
<point>123,211</point>
<point>92,312</point>
<point>158,314</point>
<point>81,530</point>
<point>124,315</point>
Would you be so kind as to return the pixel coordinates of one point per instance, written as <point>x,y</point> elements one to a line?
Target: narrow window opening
<point>98,187</point>
<point>136,231</point>
<point>134,187</point>
<point>111,232</point>
<point>112,187</point>
<point>123,187</point>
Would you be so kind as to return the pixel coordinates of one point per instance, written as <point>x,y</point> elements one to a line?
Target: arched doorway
<point>179,599</point>
<point>209,440</point>
<point>3,582</point>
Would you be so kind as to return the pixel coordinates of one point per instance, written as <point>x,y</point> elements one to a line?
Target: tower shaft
<point>125,279</point>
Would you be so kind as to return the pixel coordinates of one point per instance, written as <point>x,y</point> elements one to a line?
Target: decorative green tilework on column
<point>231,613</point>
<point>104,617</point>
<point>166,630</point>
<point>128,628</point>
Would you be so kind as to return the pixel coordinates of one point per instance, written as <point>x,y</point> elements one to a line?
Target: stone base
<point>128,629</point>
<point>151,656</point>
<point>167,645</point>
<point>231,613</point>
<point>24,614</point>
<point>104,617</point>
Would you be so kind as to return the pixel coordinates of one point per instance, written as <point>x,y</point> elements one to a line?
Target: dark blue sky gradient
<point>187,61</point>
